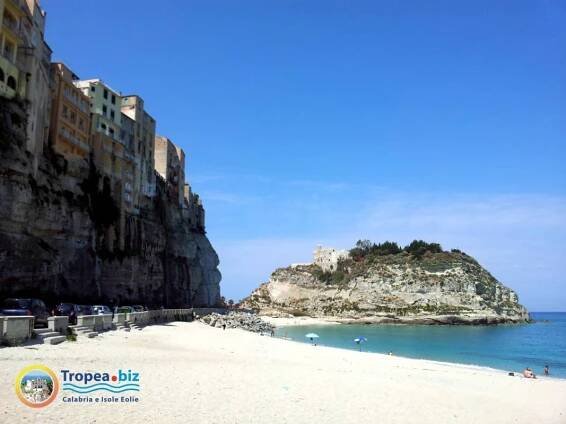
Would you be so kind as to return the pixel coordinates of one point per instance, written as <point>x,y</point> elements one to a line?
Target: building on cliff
<point>327,258</point>
<point>144,135</point>
<point>170,164</point>
<point>12,72</point>
<point>69,130</point>
<point>25,68</point>
<point>105,227</point>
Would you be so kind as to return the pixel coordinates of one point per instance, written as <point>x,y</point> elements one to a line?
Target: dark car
<point>123,309</point>
<point>138,308</point>
<point>23,307</point>
<point>68,309</point>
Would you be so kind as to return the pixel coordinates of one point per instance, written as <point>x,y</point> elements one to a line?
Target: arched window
<point>1,75</point>
<point>11,82</point>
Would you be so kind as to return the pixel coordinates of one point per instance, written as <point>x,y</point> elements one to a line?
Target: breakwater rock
<point>244,320</point>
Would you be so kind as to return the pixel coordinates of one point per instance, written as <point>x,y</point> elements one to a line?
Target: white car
<point>101,309</point>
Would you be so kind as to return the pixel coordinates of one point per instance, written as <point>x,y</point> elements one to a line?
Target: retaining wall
<point>15,330</point>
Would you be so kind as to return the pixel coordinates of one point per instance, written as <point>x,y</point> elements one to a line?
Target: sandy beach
<point>190,372</point>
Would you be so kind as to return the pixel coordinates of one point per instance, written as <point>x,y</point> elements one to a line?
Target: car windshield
<point>65,307</point>
<point>17,304</point>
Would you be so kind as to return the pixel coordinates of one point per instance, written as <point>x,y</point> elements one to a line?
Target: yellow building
<point>24,67</point>
<point>69,131</point>
<point>12,19</point>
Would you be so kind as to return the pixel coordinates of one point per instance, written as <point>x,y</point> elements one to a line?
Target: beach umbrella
<point>360,340</point>
<point>311,336</point>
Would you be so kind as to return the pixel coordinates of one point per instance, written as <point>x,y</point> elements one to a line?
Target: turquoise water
<point>506,347</point>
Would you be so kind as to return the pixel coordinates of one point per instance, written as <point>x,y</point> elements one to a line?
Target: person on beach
<point>546,370</point>
<point>528,373</point>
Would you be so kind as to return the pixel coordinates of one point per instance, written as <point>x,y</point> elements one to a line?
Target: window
<point>92,88</point>
<point>65,111</point>
<point>111,130</point>
<point>105,93</point>
<point>104,110</point>
<point>1,75</point>
<point>113,99</point>
<point>103,126</point>
<point>112,115</point>
<point>73,116</point>
<point>11,82</point>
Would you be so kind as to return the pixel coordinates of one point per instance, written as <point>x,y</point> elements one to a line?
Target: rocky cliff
<point>63,238</point>
<point>425,287</point>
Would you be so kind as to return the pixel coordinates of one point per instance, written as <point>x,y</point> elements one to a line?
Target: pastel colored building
<point>24,67</point>
<point>12,18</point>
<point>108,150</point>
<point>69,132</point>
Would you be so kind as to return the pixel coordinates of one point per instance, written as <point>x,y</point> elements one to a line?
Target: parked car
<point>68,309</point>
<point>101,309</point>
<point>123,309</point>
<point>85,310</point>
<point>139,308</point>
<point>23,307</point>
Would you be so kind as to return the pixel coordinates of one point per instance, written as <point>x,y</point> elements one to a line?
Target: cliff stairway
<point>48,337</point>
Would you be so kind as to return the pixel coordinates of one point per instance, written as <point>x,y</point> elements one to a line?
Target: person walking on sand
<point>546,370</point>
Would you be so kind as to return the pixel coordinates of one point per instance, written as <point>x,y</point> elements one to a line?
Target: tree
<point>418,248</point>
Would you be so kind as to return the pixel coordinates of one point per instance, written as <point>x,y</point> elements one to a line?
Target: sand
<point>193,373</point>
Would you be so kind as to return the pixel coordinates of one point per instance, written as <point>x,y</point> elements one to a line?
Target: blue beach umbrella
<point>311,336</point>
<point>360,340</point>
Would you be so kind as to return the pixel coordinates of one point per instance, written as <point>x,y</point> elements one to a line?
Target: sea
<point>511,347</point>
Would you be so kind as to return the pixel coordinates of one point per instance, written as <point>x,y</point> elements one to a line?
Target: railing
<point>65,134</point>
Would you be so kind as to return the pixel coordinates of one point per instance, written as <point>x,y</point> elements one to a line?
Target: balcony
<point>73,140</point>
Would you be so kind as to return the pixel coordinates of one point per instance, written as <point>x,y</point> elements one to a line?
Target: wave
<point>127,389</point>
<point>88,386</point>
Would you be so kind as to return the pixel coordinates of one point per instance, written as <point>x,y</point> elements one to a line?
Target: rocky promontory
<point>420,284</point>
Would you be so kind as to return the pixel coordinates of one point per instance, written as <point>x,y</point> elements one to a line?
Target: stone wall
<point>59,233</point>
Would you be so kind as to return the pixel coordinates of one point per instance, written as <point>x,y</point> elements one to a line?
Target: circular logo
<point>37,386</point>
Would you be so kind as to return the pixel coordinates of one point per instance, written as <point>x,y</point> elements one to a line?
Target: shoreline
<point>233,375</point>
<point>425,320</point>
<point>471,367</point>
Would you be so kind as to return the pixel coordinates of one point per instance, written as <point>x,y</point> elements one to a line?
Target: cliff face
<point>62,238</point>
<point>437,288</point>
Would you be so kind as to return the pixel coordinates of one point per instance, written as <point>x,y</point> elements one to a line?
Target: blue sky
<point>309,122</point>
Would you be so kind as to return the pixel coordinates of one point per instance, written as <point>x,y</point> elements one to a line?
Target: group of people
<point>528,373</point>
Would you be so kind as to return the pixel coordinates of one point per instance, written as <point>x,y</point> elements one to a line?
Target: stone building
<point>69,131</point>
<point>327,258</point>
<point>131,164</point>
<point>144,135</point>
<point>36,57</point>
<point>170,164</point>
